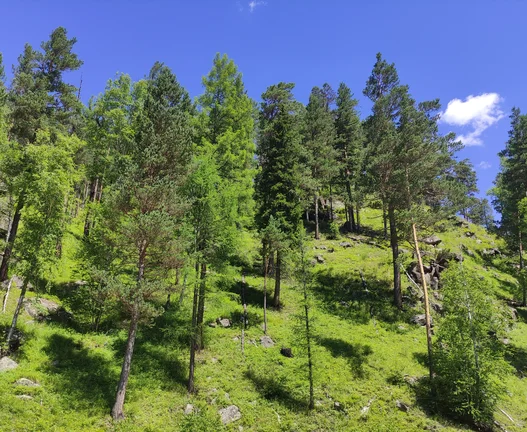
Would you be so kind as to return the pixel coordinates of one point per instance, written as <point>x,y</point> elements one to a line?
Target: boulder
<point>470,234</point>
<point>7,364</point>
<point>491,252</point>
<point>320,259</point>
<point>189,409</point>
<point>338,406</point>
<point>421,320</point>
<point>433,240</point>
<point>266,342</point>
<point>224,322</point>
<point>25,397</point>
<point>345,244</point>
<point>230,414</point>
<point>286,352</point>
<point>402,406</point>
<point>26,382</point>
<point>40,308</point>
<point>331,250</point>
<point>212,324</point>
<point>321,247</point>
<point>438,307</point>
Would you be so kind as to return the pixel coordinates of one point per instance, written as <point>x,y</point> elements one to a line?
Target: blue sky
<point>443,49</point>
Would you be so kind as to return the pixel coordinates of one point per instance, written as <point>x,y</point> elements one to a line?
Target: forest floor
<point>367,355</point>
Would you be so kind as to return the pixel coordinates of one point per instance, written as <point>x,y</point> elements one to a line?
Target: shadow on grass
<point>253,296</point>
<point>344,295</point>
<point>83,377</point>
<point>271,388</point>
<point>355,354</point>
<point>157,354</point>
<point>517,358</point>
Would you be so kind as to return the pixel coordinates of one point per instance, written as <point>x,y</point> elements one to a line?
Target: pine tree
<point>350,147</point>
<point>278,183</point>
<point>511,185</point>
<point>143,211</point>
<point>319,138</point>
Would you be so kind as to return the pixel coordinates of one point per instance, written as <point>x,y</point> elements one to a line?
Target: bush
<point>468,353</point>
<point>334,232</point>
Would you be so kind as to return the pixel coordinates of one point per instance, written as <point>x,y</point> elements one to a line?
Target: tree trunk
<point>201,306</point>
<point>395,255</point>
<point>182,295</point>
<point>427,304</point>
<point>307,215</point>
<point>11,331</point>
<point>384,220</point>
<point>193,339</point>
<point>266,268</point>
<point>351,213</point>
<point>6,295</point>
<point>330,203</point>
<point>4,267</point>
<point>308,338</point>
<point>358,217</point>
<point>317,233</point>
<point>522,277</point>
<point>117,410</point>
<point>244,324</point>
<point>276,299</point>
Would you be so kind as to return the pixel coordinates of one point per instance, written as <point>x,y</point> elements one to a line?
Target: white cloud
<point>253,4</point>
<point>484,165</point>
<point>479,112</point>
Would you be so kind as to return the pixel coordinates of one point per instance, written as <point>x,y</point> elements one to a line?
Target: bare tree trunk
<point>4,267</point>
<point>244,324</point>
<point>330,203</point>
<point>201,306</point>
<point>6,295</point>
<point>307,215</point>
<point>193,339</point>
<point>317,233</point>
<point>266,268</point>
<point>427,304</point>
<point>522,277</point>
<point>182,295</point>
<point>308,337</point>
<point>12,329</point>
<point>276,299</point>
<point>169,295</point>
<point>384,220</point>
<point>395,255</point>
<point>358,217</point>
<point>117,410</point>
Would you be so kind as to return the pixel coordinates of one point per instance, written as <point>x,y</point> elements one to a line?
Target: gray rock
<point>402,406</point>
<point>40,308</point>
<point>320,259</point>
<point>345,244</point>
<point>470,234</point>
<point>189,409</point>
<point>26,382</point>
<point>7,364</point>
<point>212,324</point>
<point>230,414</point>
<point>491,252</point>
<point>266,342</point>
<point>331,250</point>
<point>420,320</point>
<point>478,241</point>
<point>224,322</point>
<point>321,247</point>
<point>438,307</point>
<point>338,406</point>
<point>25,397</point>
<point>433,240</point>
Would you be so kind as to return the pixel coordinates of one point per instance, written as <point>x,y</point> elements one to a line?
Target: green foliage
<point>226,123</point>
<point>278,182</point>
<point>469,352</point>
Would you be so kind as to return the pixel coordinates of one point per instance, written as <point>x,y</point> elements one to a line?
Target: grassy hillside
<point>367,355</point>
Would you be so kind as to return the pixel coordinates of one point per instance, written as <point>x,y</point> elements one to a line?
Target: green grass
<point>365,352</point>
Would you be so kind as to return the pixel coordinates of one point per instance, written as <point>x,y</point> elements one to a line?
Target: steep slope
<point>368,357</point>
